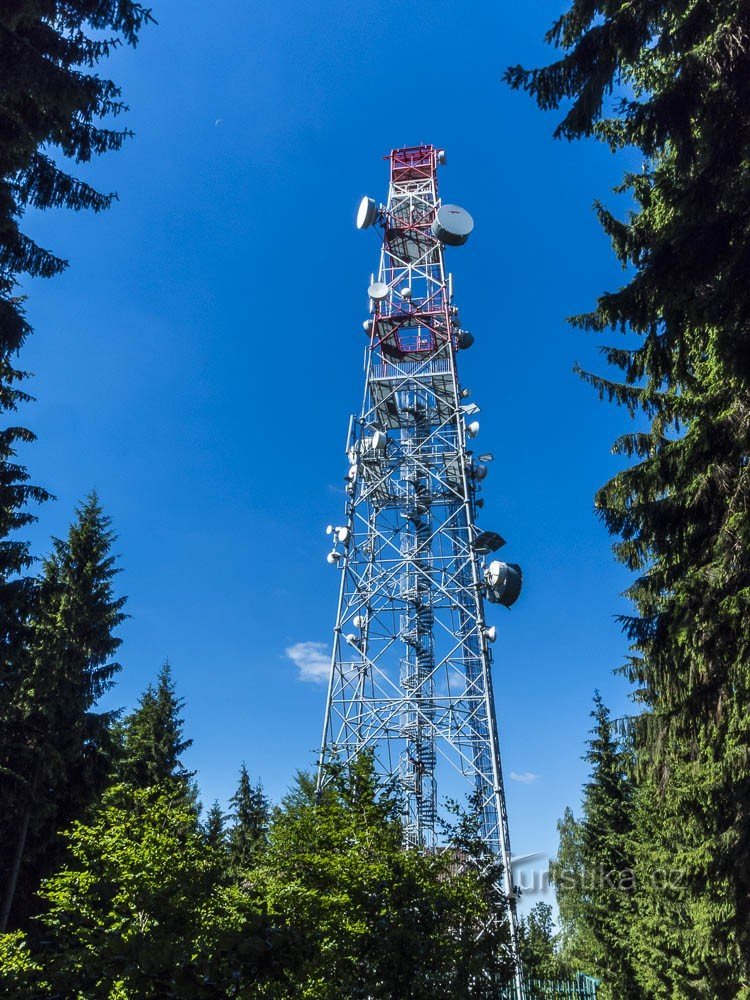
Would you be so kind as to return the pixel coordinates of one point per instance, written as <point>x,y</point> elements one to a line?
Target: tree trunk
<point>10,889</point>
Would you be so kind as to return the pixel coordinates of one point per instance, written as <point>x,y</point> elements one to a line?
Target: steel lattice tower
<point>411,665</point>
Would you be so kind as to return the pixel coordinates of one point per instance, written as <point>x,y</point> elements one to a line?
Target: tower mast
<point>411,677</point>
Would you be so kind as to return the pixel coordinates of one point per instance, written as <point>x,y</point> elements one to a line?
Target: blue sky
<point>198,361</point>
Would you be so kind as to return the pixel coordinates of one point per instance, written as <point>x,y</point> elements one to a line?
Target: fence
<point>580,988</point>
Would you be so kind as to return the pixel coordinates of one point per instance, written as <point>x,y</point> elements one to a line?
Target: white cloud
<point>312,659</point>
<point>525,777</point>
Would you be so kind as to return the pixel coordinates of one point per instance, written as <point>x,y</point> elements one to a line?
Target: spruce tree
<point>60,757</point>
<point>153,741</point>
<point>673,81</point>
<point>593,872</point>
<point>214,827</point>
<point>17,587</point>
<point>51,104</point>
<point>250,812</point>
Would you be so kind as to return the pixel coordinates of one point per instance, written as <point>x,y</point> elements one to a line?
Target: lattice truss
<point>411,662</point>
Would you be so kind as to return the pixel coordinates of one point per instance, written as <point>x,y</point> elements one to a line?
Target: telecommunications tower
<point>411,672</point>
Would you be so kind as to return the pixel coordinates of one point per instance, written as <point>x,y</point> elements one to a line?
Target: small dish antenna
<point>452,225</point>
<point>379,440</point>
<point>367,213</point>
<point>378,291</point>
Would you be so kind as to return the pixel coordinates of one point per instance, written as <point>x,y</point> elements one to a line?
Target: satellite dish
<point>473,429</point>
<point>367,213</point>
<point>452,225</point>
<point>378,291</point>
<point>442,158</point>
<point>465,339</point>
<point>491,633</point>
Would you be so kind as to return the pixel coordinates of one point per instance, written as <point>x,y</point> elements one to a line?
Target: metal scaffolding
<point>411,676</point>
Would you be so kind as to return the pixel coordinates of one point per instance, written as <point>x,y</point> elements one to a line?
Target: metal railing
<point>407,369</point>
<point>580,988</point>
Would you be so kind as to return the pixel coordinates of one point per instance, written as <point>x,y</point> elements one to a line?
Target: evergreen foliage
<point>214,828</point>
<point>58,758</point>
<point>593,872</point>
<point>17,587</point>
<point>250,812</point>
<point>51,102</point>
<point>51,106</point>
<point>673,81</point>
<point>153,741</point>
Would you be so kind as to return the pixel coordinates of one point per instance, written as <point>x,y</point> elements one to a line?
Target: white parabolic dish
<point>452,225</point>
<point>366,213</point>
<point>378,290</point>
